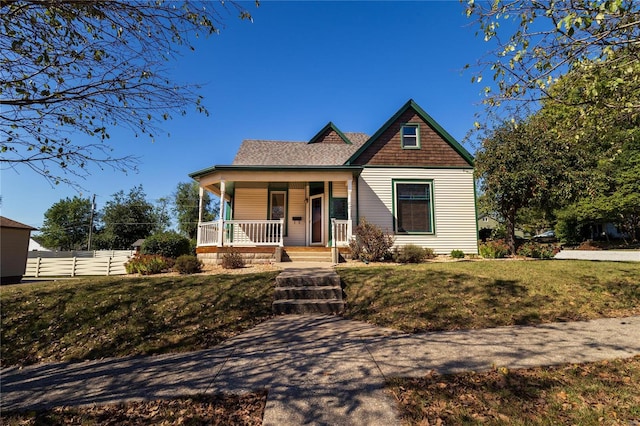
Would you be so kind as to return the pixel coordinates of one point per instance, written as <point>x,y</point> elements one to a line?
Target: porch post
<point>222,212</point>
<point>201,195</point>
<point>349,190</point>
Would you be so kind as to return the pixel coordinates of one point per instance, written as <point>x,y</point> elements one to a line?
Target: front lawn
<point>600,393</point>
<point>469,295</point>
<point>91,318</point>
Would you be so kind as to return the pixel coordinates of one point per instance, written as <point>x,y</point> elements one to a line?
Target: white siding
<point>296,230</point>
<point>250,204</point>
<point>454,206</point>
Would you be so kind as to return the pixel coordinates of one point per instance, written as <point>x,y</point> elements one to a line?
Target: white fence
<point>81,253</point>
<point>75,266</point>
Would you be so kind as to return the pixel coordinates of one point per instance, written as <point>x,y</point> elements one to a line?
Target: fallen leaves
<point>246,409</point>
<point>605,392</point>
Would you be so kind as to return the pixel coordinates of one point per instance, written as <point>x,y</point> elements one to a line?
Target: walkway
<point>603,255</point>
<point>318,369</point>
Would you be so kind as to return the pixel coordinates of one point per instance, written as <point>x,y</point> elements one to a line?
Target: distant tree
<point>186,200</point>
<point>127,218</point>
<point>71,70</point>
<point>517,168</point>
<point>66,224</point>
<point>536,42</point>
<point>162,213</point>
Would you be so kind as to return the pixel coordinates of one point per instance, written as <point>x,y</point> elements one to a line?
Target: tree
<point>127,218</point>
<point>73,69</point>
<point>186,200</point>
<point>518,168</point>
<point>543,40</point>
<point>66,224</point>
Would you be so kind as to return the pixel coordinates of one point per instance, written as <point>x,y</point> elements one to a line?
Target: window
<point>278,205</point>
<point>414,207</point>
<point>339,208</point>
<point>410,136</point>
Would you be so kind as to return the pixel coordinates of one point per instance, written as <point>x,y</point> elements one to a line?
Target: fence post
<point>38,267</point>
<point>73,267</point>
<point>109,266</point>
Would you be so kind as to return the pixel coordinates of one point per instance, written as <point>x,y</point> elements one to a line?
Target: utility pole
<point>93,207</point>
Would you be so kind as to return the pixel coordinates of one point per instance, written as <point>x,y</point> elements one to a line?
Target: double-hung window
<point>413,207</point>
<point>410,134</point>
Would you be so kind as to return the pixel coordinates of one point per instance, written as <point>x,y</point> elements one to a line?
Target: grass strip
<point>223,410</point>
<point>600,393</point>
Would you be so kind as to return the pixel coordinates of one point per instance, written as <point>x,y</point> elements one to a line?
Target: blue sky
<point>298,66</point>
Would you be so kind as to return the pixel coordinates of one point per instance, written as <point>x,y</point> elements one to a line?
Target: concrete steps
<point>307,255</point>
<point>308,291</point>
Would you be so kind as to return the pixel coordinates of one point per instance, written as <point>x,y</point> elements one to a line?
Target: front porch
<point>274,254</point>
<point>278,208</point>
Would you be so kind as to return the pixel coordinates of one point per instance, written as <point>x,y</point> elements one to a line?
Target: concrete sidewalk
<point>318,369</point>
<point>602,255</point>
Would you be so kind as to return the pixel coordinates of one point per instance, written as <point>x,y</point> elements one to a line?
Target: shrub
<point>410,253</point>
<point>147,264</point>
<point>370,242</point>
<point>188,264</point>
<point>535,250</point>
<point>494,249</point>
<point>457,254</point>
<point>232,260</point>
<point>167,244</point>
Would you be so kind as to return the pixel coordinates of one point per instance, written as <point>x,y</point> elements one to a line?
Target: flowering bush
<point>148,264</point>
<point>494,249</point>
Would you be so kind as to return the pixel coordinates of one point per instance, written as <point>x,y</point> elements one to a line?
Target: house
<point>14,245</point>
<point>411,178</point>
<point>486,221</point>
<point>36,246</point>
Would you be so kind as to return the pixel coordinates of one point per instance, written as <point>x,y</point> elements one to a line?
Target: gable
<point>330,134</point>
<point>436,147</point>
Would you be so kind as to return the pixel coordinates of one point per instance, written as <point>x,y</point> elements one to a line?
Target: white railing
<point>340,232</point>
<point>242,233</point>
<point>208,233</point>
<point>80,253</point>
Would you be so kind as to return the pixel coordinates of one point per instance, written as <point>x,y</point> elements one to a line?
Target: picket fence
<point>75,266</point>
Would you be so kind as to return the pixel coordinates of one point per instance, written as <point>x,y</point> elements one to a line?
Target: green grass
<point>92,318</point>
<point>601,393</point>
<point>469,295</point>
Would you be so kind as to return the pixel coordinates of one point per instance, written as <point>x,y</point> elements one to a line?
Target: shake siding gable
<point>330,136</point>
<point>454,206</point>
<point>387,149</point>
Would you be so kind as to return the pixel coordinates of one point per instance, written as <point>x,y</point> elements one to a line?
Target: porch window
<point>413,207</point>
<point>410,134</point>
<point>278,205</point>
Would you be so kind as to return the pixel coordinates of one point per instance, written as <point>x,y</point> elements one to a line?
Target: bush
<point>536,250</point>
<point>494,249</point>
<point>147,264</point>
<point>457,254</point>
<point>167,244</point>
<point>188,264</point>
<point>232,260</point>
<point>370,243</point>
<point>412,253</point>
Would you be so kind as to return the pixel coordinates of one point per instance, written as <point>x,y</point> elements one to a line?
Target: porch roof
<point>305,170</point>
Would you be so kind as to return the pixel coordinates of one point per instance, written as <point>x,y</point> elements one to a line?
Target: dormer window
<point>410,136</point>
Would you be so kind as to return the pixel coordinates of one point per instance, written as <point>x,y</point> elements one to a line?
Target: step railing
<point>340,232</point>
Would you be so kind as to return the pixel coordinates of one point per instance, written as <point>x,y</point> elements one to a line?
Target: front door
<point>317,222</point>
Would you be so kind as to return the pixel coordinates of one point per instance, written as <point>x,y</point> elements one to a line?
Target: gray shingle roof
<point>280,153</point>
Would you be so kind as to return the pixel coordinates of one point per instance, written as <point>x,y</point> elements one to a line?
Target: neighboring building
<point>14,245</point>
<point>488,222</point>
<point>411,178</point>
<point>36,246</point>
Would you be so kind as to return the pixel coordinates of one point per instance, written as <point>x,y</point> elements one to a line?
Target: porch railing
<point>242,233</point>
<point>341,232</point>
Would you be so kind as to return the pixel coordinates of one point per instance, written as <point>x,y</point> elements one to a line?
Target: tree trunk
<point>510,231</point>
